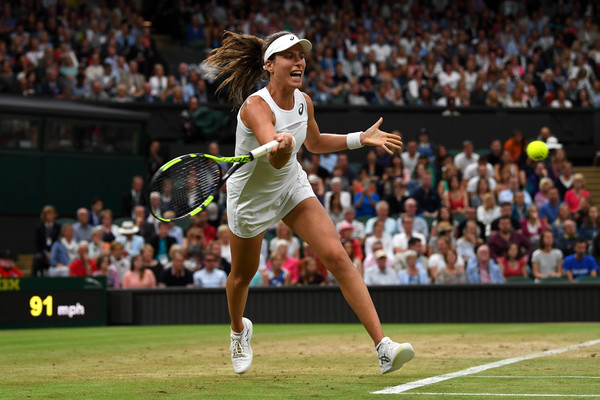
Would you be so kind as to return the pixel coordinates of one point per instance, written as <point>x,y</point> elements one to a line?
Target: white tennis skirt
<point>250,213</point>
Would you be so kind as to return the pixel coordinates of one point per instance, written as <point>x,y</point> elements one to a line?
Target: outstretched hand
<point>376,137</point>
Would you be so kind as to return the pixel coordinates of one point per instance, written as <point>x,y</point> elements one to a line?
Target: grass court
<point>296,362</point>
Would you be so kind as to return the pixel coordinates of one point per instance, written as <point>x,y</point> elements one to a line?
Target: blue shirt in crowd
<point>549,212</point>
<point>366,207</point>
<point>582,267</point>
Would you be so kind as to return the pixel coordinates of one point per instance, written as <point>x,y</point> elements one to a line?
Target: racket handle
<point>264,149</point>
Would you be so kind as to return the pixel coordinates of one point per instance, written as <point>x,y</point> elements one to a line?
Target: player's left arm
<point>317,142</point>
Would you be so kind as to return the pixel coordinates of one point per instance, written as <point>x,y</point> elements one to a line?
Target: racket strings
<point>186,185</point>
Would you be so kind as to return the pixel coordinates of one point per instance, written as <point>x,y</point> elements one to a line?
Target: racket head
<point>190,181</point>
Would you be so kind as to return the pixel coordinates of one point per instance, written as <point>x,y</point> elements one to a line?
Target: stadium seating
<point>553,279</point>
<point>518,279</point>
<point>588,279</point>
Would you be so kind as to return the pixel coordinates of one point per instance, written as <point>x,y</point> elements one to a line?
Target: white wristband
<point>353,140</point>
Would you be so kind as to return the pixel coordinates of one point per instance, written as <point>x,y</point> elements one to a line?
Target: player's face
<point>290,65</point>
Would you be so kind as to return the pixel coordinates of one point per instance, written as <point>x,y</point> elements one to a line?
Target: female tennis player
<point>276,188</point>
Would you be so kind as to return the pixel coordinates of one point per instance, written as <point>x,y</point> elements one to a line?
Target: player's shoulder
<point>254,102</point>
<point>255,105</point>
<point>307,98</point>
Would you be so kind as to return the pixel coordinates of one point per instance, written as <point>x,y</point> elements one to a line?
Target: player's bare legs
<point>312,223</point>
<point>245,257</point>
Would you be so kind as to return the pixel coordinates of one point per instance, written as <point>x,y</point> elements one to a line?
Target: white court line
<point>503,395</point>
<point>474,370</point>
<point>537,377</point>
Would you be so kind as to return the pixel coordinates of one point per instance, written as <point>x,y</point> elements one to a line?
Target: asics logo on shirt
<point>301,109</point>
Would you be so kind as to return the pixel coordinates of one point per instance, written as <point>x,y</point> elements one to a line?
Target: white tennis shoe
<point>392,355</point>
<point>241,352</point>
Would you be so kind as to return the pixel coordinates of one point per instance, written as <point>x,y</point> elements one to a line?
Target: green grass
<point>290,361</point>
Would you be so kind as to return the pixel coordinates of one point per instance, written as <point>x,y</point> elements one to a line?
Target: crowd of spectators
<point>447,54</point>
<point>418,217</point>
<point>424,216</point>
<point>497,54</point>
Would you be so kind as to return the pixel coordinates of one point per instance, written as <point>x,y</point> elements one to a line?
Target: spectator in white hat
<point>132,243</point>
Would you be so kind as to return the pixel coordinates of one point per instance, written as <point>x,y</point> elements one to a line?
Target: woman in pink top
<point>138,277</point>
<point>574,195</point>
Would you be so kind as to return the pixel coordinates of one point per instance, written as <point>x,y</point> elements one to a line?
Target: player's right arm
<point>257,116</point>
<point>317,142</point>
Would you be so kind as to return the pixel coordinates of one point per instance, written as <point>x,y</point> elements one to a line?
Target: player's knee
<point>336,260</point>
<point>238,280</point>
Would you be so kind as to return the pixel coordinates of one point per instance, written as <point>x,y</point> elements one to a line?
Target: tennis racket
<point>189,183</point>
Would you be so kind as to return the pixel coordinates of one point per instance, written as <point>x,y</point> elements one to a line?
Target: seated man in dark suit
<point>96,207</point>
<point>134,197</point>
<point>147,230</point>
<point>427,197</point>
<point>46,234</point>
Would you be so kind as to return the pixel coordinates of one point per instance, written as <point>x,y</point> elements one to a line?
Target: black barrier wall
<point>575,302</point>
<point>577,129</point>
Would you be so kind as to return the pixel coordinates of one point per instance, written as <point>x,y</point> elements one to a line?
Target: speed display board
<point>39,302</point>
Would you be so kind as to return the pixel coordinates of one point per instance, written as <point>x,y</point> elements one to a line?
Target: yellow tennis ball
<point>537,150</point>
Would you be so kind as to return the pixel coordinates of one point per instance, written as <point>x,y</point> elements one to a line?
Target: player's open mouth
<point>296,75</point>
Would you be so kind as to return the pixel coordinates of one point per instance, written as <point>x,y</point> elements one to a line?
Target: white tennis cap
<point>285,42</point>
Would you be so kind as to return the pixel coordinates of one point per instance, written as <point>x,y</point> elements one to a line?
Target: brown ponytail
<point>240,60</point>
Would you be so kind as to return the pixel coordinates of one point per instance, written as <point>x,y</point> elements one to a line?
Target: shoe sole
<point>404,354</point>
<point>248,325</point>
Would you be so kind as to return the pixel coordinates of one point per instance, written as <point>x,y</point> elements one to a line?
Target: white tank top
<point>259,177</point>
